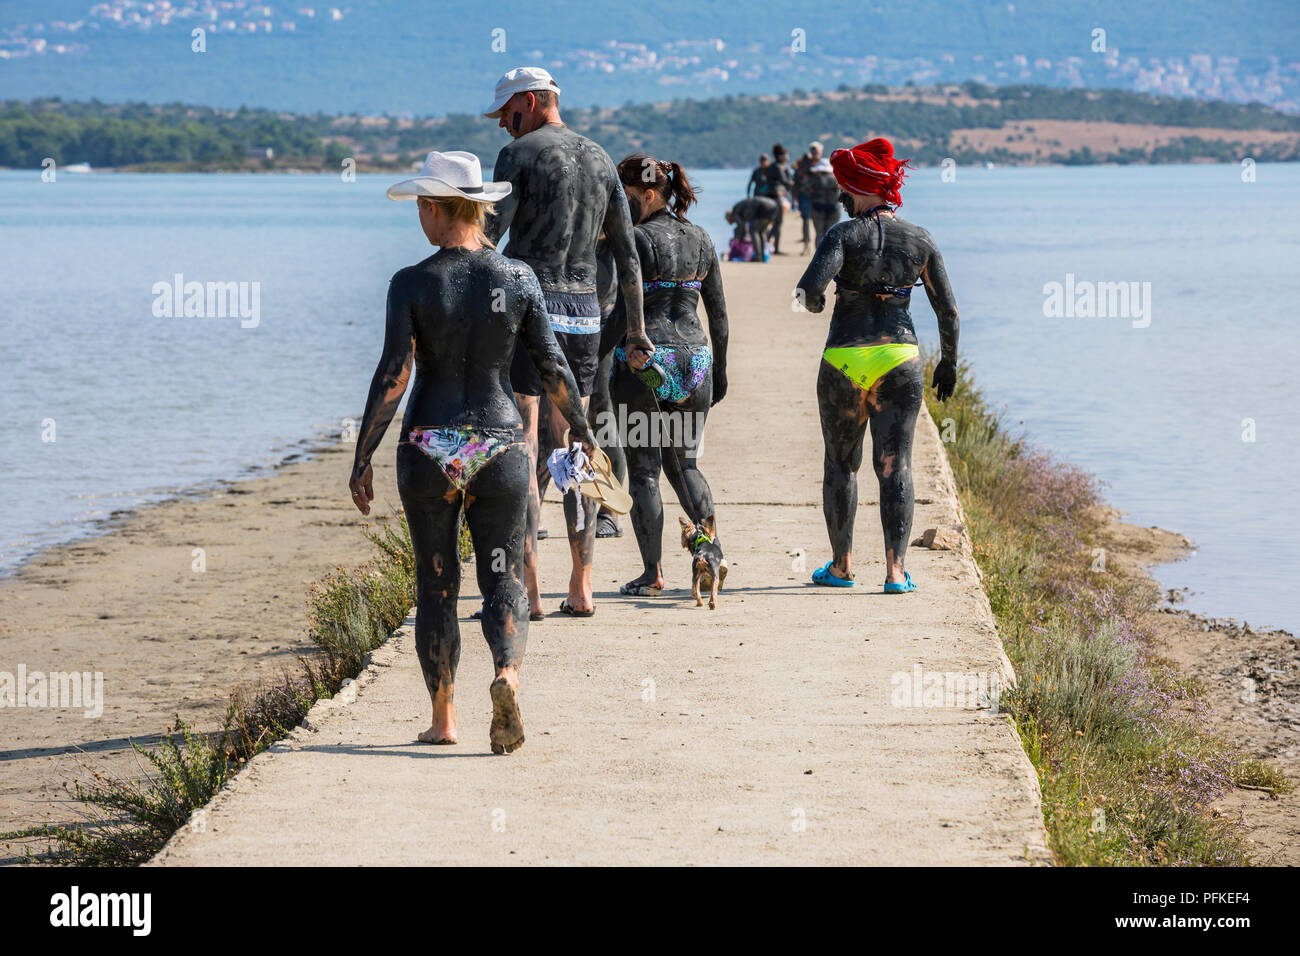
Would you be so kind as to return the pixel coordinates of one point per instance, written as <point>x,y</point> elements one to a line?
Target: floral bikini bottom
<point>461,452</point>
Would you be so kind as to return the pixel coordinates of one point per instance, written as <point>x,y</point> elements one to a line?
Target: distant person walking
<point>566,192</point>
<point>798,194</point>
<point>778,181</point>
<point>871,368</point>
<point>823,193</point>
<point>801,194</point>
<point>758,178</point>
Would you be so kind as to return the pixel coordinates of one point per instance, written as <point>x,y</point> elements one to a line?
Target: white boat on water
<point>77,168</point>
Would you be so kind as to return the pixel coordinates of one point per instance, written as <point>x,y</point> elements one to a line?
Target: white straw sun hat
<point>524,79</point>
<point>453,173</point>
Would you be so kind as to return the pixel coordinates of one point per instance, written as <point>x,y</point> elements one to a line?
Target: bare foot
<point>507,730</point>
<point>437,735</point>
<point>443,728</point>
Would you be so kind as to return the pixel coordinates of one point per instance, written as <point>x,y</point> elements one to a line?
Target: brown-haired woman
<point>679,267</point>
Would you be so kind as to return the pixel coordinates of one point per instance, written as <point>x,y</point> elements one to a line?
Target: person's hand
<point>719,385</point>
<point>639,350</point>
<point>945,379</point>
<point>583,438</point>
<point>363,487</point>
<point>806,300</point>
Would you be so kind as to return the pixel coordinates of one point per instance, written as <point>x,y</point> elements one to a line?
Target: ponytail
<point>680,189</point>
<point>667,179</point>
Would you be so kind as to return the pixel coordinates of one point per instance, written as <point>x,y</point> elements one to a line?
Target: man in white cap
<point>566,193</point>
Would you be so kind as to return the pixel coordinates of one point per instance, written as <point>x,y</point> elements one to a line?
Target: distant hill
<point>967,123</point>
<point>432,59</point>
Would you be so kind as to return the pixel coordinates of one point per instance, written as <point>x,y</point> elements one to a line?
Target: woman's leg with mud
<point>545,445</point>
<point>844,425</point>
<point>528,412</point>
<point>644,462</point>
<point>686,426</point>
<point>896,401</point>
<point>600,412</point>
<point>496,503</point>
<point>432,511</point>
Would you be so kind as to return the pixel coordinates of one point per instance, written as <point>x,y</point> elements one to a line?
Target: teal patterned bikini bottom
<point>684,369</point>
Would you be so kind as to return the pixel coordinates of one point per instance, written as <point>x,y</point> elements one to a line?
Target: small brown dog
<point>708,566</point>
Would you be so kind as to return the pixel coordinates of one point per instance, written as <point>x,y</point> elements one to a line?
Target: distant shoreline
<point>946,124</point>
<point>88,530</point>
<point>168,170</point>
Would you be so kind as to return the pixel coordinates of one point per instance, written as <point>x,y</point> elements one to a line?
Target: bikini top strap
<point>653,284</point>
<point>876,288</point>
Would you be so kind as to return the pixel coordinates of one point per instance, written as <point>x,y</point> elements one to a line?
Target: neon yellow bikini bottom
<point>864,365</point>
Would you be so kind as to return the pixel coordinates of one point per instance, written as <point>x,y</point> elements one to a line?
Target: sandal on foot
<point>569,609</point>
<point>824,577</point>
<point>900,587</point>
<point>639,590</point>
<point>607,527</point>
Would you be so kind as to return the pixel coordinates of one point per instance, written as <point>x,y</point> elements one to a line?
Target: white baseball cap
<point>521,80</point>
<point>453,173</point>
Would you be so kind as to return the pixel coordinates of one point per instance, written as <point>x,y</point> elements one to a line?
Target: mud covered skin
<point>607,293</point>
<point>671,249</point>
<point>566,193</point>
<point>457,316</point>
<point>864,252</point>
<point>890,408</point>
<point>600,406</point>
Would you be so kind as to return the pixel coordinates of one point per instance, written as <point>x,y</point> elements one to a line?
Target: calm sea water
<point>1157,404</point>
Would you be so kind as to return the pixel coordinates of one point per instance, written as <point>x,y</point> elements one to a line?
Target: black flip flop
<point>567,608</point>
<point>607,527</point>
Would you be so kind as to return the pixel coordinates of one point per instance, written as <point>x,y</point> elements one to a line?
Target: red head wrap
<point>870,168</point>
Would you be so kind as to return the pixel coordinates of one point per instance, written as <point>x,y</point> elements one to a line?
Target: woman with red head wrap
<point>870,373</point>
<point>870,169</point>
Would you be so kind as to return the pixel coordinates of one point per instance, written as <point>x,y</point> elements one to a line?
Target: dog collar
<point>702,539</point>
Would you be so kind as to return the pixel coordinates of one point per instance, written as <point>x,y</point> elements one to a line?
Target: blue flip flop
<point>824,577</point>
<point>894,587</point>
